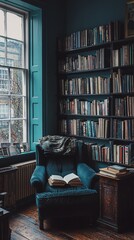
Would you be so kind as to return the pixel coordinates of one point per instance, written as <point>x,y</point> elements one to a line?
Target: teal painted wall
<point>82,14</point>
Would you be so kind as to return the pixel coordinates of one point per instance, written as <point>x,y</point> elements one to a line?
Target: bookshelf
<point>96,86</point>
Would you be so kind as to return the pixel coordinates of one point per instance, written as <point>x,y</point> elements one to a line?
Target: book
<point>5,149</point>
<point>13,150</point>
<point>116,171</point>
<point>107,174</point>
<point>112,173</point>
<point>24,147</point>
<point>70,179</point>
<point>1,152</point>
<point>117,168</point>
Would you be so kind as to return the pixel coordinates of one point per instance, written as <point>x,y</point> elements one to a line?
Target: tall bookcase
<point>96,91</point>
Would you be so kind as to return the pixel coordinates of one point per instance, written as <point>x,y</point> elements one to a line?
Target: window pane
<point>16,107</point>
<point>2,23</point>
<point>4,131</point>
<point>17,81</point>
<point>2,51</point>
<point>14,26</point>
<point>4,81</point>
<point>17,131</point>
<point>4,108</point>
<point>14,53</point>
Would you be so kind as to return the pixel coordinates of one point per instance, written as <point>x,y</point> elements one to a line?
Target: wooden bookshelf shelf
<point>96,92</point>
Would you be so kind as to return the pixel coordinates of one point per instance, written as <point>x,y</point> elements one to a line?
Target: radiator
<point>23,189</point>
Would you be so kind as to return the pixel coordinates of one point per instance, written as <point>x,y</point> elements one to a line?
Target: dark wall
<point>82,14</point>
<point>53,27</point>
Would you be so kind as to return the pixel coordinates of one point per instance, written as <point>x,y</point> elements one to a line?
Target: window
<point>21,115</point>
<point>13,75</point>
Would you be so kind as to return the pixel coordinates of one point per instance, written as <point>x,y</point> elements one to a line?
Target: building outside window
<point>13,76</point>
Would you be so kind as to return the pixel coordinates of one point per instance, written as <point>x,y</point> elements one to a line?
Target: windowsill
<point>27,156</point>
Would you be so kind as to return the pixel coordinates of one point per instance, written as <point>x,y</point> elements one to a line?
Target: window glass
<point>13,72</point>
<point>15,53</point>
<point>17,131</point>
<point>2,29</point>
<point>14,26</point>
<point>17,85</point>
<point>4,131</point>
<point>2,51</point>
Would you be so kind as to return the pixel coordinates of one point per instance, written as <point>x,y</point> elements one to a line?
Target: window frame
<point>25,64</point>
<point>35,16</point>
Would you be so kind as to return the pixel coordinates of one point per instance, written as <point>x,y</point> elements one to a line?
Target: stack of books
<point>114,171</point>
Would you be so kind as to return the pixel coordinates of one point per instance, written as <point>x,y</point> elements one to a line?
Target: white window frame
<point>25,70</point>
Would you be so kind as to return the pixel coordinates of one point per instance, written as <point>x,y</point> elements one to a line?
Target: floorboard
<point>24,226</point>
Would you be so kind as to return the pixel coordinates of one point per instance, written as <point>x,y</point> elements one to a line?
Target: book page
<point>70,177</point>
<point>57,177</point>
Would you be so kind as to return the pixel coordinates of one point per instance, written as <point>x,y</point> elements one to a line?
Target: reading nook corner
<point>66,119</point>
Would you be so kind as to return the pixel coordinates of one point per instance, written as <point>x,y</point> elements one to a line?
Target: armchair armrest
<point>86,174</point>
<point>39,155</point>
<point>38,178</point>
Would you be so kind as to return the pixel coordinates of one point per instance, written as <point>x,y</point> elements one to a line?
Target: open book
<point>71,179</point>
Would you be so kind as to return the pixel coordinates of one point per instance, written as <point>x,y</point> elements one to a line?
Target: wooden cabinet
<point>116,202</point>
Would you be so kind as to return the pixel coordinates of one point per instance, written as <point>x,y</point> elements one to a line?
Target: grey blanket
<point>58,144</point>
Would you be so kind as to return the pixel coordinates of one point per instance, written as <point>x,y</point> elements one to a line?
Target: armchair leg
<point>41,224</point>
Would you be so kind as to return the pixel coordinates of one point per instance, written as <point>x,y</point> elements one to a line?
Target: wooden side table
<point>5,231</point>
<point>116,202</point>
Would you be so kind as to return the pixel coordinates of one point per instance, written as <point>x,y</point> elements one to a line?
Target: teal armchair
<point>66,201</point>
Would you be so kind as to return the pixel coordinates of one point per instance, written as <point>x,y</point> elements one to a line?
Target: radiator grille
<point>23,174</point>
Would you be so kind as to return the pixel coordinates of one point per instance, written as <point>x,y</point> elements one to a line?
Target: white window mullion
<point>9,130</point>
<point>9,91</point>
<point>9,99</point>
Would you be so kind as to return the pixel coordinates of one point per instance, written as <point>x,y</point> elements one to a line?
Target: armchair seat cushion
<point>65,188</point>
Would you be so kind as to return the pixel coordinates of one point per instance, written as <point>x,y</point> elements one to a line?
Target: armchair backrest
<point>54,164</point>
<point>58,158</point>
<point>60,165</point>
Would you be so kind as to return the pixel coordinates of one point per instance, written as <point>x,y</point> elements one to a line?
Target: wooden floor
<point>24,226</point>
